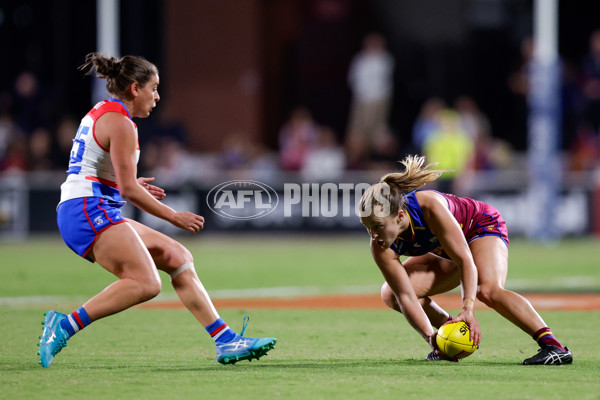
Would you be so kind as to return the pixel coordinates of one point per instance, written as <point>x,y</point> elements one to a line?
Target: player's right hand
<point>468,316</point>
<point>188,221</point>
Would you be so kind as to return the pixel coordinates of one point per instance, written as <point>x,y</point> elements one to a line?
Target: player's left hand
<point>468,316</point>
<point>155,191</point>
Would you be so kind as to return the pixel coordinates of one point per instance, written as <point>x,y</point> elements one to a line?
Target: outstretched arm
<point>118,134</point>
<point>397,278</point>
<point>445,227</point>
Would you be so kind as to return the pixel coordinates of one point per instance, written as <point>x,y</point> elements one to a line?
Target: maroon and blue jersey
<point>476,219</point>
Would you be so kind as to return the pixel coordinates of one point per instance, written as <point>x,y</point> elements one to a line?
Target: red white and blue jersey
<point>476,219</point>
<point>91,173</point>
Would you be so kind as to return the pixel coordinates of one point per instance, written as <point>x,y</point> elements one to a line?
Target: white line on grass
<point>577,283</point>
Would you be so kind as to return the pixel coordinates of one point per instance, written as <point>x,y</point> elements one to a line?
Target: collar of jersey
<point>412,230</point>
<point>120,102</point>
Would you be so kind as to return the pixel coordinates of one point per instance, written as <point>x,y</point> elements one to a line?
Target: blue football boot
<point>53,338</point>
<point>244,348</point>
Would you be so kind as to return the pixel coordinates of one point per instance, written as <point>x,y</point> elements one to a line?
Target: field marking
<point>292,291</point>
<point>35,300</point>
<point>273,292</point>
<point>541,301</point>
<point>558,283</point>
<point>570,284</point>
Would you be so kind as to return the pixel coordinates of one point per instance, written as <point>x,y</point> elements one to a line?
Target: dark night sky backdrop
<point>447,50</point>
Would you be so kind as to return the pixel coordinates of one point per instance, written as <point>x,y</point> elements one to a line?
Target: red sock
<point>545,337</point>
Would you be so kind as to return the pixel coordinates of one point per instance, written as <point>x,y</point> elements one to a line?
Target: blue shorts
<point>81,220</point>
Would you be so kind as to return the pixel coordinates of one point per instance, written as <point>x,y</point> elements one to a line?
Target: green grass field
<point>320,354</point>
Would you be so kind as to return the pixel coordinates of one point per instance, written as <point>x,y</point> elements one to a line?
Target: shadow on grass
<point>305,364</point>
<point>300,364</point>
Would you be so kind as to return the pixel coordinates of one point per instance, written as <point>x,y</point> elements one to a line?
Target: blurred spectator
<point>357,153</point>
<point>489,152</point>
<point>371,81</point>
<point>249,160</point>
<point>297,136</point>
<point>591,80</point>
<point>585,150</point>
<point>8,128</point>
<point>172,163</point>
<point>500,154</point>
<point>518,81</point>
<point>573,103</point>
<point>518,84</point>
<point>40,150</point>
<point>13,156</point>
<point>28,101</point>
<point>452,148</point>
<point>472,120</point>
<point>15,159</point>
<point>326,161</point>
<point>426,122</point>
<point>572,100</point>
<point>65,133</point>
<point>236,152</point>
<point>384,152</point>
<point>263,164</point>
<point>149,158</point>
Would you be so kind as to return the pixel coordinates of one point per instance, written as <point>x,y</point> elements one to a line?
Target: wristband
<point>468,303</point>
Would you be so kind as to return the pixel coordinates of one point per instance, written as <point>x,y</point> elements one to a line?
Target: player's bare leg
<point>173,258</point>
<point>170,255</point>
<point>138,278</point>
<point>138,282</point>
<point>429,275</point>
<point>491,257</point>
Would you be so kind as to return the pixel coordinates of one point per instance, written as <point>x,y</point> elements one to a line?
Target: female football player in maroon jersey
<point>451,241</point>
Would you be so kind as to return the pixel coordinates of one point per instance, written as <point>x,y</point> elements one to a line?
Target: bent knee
<point>171,255</point>
<point>149,288</point>
<point>489,294</point>
<point>388,297</point>
<point>181,252</point>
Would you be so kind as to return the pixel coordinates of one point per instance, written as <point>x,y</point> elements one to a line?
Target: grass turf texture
<point>42,267</point>
<point>320,354</point>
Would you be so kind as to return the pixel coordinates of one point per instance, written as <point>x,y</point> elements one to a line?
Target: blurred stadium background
<point>261,90</point>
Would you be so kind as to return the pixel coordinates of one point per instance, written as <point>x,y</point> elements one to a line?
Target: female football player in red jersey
<point>102,174</point>
<point>451,241</point>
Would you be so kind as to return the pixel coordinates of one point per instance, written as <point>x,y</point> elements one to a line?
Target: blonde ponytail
<point>389,193</point>
<point>414,177</point>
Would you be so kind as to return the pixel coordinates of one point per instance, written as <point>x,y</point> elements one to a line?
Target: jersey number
<point>77,150</point>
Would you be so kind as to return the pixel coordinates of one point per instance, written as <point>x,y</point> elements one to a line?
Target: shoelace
<point>244,324</point>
